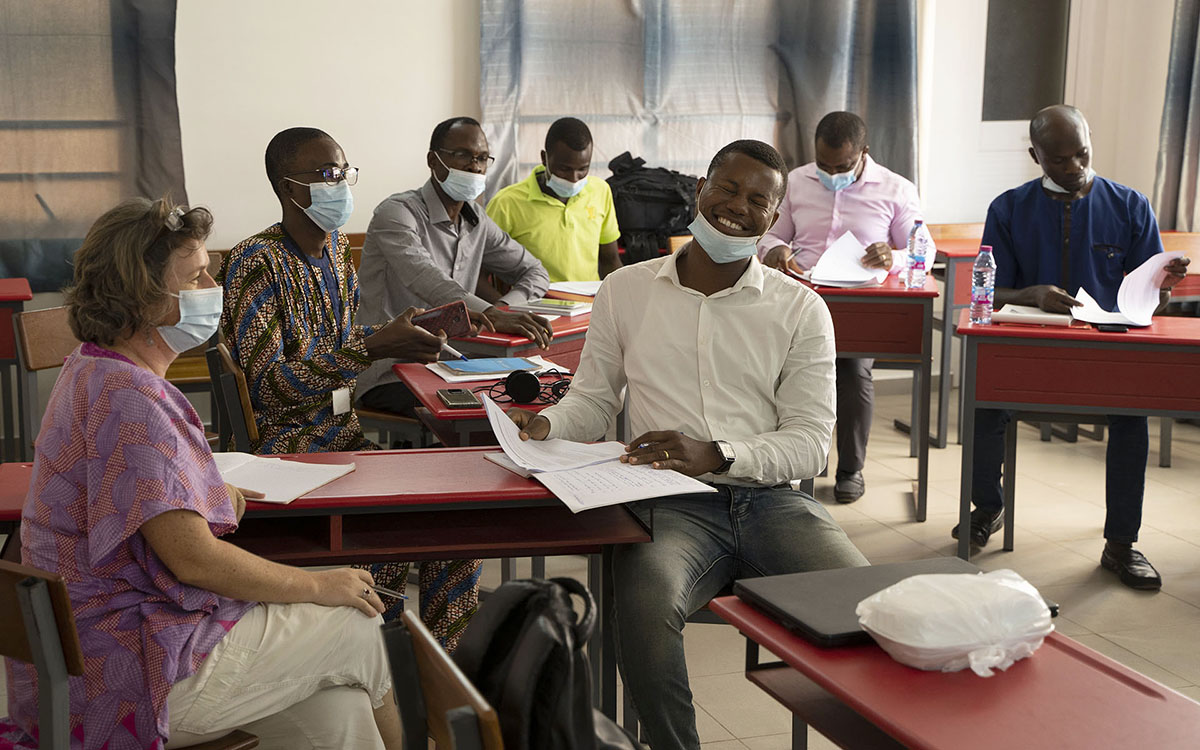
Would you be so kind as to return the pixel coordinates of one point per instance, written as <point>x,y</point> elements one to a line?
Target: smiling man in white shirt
<point>729,370</point>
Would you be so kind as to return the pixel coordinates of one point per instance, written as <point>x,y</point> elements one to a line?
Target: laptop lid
<point>819,605</point>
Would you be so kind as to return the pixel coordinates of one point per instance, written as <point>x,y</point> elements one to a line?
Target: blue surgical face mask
<point>461,185</point>
<point>1054,187</point>
<point>836,182</point>
<point>561,187</point>
<point>331,205</point>
<point>721,247</point>
<point>199,316</point>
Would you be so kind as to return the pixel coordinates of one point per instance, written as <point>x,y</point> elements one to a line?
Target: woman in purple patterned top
<point>185,636</point>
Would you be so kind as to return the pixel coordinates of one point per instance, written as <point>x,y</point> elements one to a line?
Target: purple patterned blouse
<point>118,446</point>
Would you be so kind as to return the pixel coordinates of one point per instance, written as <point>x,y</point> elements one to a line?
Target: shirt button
<point>705,383</point>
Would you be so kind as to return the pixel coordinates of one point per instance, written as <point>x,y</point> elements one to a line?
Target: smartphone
<point>451,318</point>
<point>459,398</point>
<point>1112,327</point>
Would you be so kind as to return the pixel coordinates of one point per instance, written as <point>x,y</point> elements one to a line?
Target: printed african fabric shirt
<point>295,340</point>
<point>118,446</point>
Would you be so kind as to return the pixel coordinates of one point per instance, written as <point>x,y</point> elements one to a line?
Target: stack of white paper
<point>841,265</point>
<point>1030,314</point>
<point>582,288</point>
<point>281,480</point>
<point>584,475</point>
<point>1137,298</point>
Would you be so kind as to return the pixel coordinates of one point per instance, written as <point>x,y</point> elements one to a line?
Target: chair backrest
<point>676,241</point>
<point>44,338</point>
<point>970,231</point>
<point>232,396</point>
<point>1188,242</point>
<point>435,697</point>
<point>14,637</point>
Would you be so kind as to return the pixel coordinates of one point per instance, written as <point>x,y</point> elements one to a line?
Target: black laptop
<point>819,606</point>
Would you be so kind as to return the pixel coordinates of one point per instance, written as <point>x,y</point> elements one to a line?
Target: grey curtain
<point>674,80</point>
<point>88,117</point>
<point>854,55</point>
<point>1178,171</point>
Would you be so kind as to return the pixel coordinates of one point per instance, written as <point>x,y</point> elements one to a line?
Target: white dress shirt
<point>752,364</point>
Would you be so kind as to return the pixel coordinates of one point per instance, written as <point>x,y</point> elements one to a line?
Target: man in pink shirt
<point>844,190</point>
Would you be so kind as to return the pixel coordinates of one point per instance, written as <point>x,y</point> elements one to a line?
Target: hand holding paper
<point>1137,299</point>
<point>841,264</point>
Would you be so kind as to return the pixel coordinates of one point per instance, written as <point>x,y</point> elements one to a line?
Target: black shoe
<point>983,524</point>
<point>849,486</point>
<point>1132,567</point>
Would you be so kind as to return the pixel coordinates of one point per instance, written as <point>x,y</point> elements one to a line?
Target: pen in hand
<point>389,592</point>
<point>452,351</point>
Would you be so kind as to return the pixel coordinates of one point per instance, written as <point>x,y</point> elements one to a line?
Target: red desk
<point>432,504</point>
<point>1064,696</point>
<point>894,326</point>
<point>14,293</point>
<point>565,348</point>
<point>1150,371</point>
<point>457,427</point>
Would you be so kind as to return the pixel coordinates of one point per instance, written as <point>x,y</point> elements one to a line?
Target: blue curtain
<point>674,80</point>
<point>88,116</point>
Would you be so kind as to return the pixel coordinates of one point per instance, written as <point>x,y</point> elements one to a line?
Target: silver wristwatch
<point>727,456</point>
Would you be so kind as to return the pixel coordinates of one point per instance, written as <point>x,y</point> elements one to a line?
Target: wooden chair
<point>44,340</point>
<point>675,242</point>
<point>435,698</point>
<point>232,400</point>
<point>966,231</point>
<point>37,625</point>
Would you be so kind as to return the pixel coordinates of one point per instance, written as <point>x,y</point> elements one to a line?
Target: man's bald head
<point>1056,120</point>
<point>1061,144</point>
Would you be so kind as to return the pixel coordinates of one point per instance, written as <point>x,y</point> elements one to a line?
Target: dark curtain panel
<point>854,55</point>
<point>88,117</point>
<point>1179,137</point>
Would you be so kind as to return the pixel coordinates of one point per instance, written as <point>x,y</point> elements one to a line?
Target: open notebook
<point>582,475</point>
<point>281,480</point>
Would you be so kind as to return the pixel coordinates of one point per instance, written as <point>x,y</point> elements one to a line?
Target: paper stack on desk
<point>841,265</point>
<point>585,475</point>
<point>281,480</point>
<point>1137,299</point>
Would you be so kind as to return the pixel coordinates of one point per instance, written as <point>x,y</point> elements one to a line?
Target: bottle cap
<point>985,247</point>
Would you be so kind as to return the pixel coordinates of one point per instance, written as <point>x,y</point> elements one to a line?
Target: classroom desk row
<point>399,506</point>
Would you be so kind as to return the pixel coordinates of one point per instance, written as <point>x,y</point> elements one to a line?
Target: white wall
<point>1116,73</point>
<point>377,75</point>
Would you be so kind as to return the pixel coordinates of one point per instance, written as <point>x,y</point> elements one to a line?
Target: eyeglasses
<point>332,175</point>
<point>468,158</point>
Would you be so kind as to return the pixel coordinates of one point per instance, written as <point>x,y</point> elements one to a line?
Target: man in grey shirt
<point>427,247</point>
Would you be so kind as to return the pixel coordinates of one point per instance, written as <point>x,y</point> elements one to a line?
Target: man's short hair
<point>569,131</point>
<point>839,128</point>
<point>439,131</point>
<point>763,152</point>
<point>282,150</point>
<point>1047,115</point>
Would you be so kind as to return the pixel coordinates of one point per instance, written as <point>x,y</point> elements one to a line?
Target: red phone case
<point>451,318</point>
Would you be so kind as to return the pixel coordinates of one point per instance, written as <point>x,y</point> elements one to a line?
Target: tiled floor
<point>1059,517</point>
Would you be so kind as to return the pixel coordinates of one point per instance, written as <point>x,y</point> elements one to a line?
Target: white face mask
<point>461,185</point>
<point>561,187</point>
<point>199,316</point>
<point>1054,187</point>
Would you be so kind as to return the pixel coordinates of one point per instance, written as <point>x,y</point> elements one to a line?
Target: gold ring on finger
<point>666,454</point>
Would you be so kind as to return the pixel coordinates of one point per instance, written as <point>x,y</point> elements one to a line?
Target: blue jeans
<point>702,543</point>
<point>1125,469</point>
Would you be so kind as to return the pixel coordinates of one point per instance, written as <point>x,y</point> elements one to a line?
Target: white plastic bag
<point>951,621</point>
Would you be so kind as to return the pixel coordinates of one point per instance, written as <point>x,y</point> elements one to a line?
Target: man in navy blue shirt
<point>1068,230</point>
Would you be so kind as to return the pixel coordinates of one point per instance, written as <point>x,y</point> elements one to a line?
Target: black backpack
<point>523,650</point>
<point>652,203</point>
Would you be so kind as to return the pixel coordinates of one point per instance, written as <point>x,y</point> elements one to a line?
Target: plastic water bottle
<point>918,255</point>
<point>983,286</point>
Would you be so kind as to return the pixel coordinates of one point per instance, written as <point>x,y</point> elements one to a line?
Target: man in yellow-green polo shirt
<point>561,216</point>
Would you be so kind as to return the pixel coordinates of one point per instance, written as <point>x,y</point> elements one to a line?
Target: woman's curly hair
<point>120,286</point>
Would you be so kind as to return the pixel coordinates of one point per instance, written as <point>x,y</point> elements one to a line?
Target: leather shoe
<point>1132,567</point>
<point>849,486</point>
<point>983,524</point>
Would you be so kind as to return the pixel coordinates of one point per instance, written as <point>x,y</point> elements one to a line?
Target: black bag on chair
<point>652,203</point>
<point>523,650</point>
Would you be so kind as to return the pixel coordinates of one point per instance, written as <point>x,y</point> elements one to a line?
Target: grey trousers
<point>855,405</point>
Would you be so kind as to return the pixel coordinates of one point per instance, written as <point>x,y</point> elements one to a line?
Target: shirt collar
<point>437,211</point>
<point>751,278</point>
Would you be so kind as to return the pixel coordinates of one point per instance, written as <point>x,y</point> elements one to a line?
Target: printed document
<point>583,475</point>
<point>582,288</point>
<point>841,265</point>
<point>1137,298</point>
<point>281,480</point>
<point>1030,314</point>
